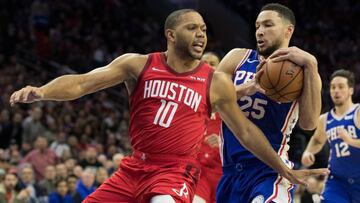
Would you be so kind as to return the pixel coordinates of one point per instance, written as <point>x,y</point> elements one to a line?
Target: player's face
<point>211,59</point>
<point>340,91</point>
<point>190,35</point>
<point>270,32</point>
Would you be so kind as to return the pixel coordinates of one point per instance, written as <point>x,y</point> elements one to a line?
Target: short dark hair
<point>173,19</point>
<point>282,10</point>
<point>346,74</point>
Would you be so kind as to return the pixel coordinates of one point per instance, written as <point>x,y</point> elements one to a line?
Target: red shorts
<point>208,182</point>
<point>143,176</point>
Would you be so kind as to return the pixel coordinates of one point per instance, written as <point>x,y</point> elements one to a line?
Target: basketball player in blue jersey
<point>245,178</point>
<point>341,128</point>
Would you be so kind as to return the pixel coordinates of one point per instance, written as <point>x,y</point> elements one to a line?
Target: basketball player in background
<point>171,95</point>
<point>341,128</point>
<point>245,177</point>
<point>209,156</point>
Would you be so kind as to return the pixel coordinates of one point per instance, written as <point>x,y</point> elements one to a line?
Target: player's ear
<point>351,89</point>
<point>290,30</point>
<point>170,35</point>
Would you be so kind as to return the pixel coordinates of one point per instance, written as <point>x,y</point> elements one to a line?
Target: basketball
<point>282,81</point>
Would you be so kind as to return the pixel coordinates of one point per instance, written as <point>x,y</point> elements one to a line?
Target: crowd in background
<point>62,151</point>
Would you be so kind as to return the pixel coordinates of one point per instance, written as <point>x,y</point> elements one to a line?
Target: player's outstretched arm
<point>310,100</point>
<point>223,99</point>
<point>69,87</point>
<point>316,143</point>
<point>228,65</point>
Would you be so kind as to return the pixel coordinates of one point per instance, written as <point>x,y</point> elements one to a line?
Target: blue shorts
<point>340,189</point>
<point>255,183</point>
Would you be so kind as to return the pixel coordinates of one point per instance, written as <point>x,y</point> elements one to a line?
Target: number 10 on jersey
<point>166,113</point>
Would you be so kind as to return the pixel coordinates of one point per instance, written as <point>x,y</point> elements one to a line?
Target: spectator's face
<point>36,113</point>
<point>72,141</point>
<point>50,173</point>
<point>4,116</point>
<point>17,118</point>
<point>340,91</point>
<point>271,31</point>
<point>27,175</point>
<point>78,171</point>
<point>70,164</point>
<point>101,175</point>
<point>91,154</point>
<point>117,159</point>
<point>61,170</point>
<point>41,143</point>
<point>88,179</point>
<point>10,181</point>
<point>61,137</point>
<point>62,188</point>
<point>189,35</point>
<point>72,183</point>
<point>211,59</point>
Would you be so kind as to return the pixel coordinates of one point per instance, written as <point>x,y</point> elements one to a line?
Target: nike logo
<point>183,191</point>
<point>156,69</point>
<point>349,117</point>
<point>329,121</point>
<point>249,61</point>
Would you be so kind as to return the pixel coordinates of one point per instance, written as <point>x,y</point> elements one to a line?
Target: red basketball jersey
<point>210,156</point>
<point>168,109</point>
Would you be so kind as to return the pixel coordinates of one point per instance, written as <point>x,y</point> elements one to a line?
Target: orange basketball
<point>282,81</point>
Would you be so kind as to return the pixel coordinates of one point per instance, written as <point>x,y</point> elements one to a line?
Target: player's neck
<point>179,63</point>
<point>342,109</point>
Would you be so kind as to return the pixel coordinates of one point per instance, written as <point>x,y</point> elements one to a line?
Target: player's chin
<point>196,55</point>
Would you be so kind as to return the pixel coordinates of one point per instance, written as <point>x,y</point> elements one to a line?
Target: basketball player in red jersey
<point>209,156</point>
<point>171,95</point>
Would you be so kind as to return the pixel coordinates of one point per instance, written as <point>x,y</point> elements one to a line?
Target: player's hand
<point>294,54</point>
<point>307,159</point>
<point>27,94</point>
<point>212,140</point>
<point>301,176</point>
<point>343,134</point>
<point>253,86</point>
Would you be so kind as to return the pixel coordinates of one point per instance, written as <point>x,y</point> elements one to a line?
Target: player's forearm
<point>310,100</point>
<point>63,88</point>
<point>241,90</point>
<point>314,146</point>
<point>255,141</point>
<point>353,142</point>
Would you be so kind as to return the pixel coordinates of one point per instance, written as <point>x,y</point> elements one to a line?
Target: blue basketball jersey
<point>344,159</point>
<point>276,120</point>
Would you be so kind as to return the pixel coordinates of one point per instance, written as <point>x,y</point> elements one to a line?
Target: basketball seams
<point>279,75</point>
<point>268,76</point>
<point>297,74</point>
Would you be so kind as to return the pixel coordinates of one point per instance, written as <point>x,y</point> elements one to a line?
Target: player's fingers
<point>311,158</point>
<point>318,172</point>
<point>27,92</point>
<point>279,52</point>
<point>281,57</point>
<point>261,65</point>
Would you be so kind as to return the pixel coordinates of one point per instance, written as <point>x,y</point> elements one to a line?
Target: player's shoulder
<point>231,60</point>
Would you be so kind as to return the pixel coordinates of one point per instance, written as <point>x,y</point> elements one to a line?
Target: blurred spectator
<point>11,195</point>
<point>101,175</point>
<point>116,162</point>
<point>61,171</point>
<point>5,129</point>
<point>61,194</point>
<point>49,181</point>
<point>90,159</point>
<point>27,181</point>
<point>86,184</point>
<point>78,170</point>
<point>72,181</point>
<point>40,157</point>
<point>59,146</point>
<point>32,125</point>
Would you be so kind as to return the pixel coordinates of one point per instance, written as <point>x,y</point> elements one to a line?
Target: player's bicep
<point>119,70</point>
<point>225,103</point>
<point>228,64</point>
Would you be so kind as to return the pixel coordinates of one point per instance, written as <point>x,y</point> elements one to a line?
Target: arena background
<point>43,39</point>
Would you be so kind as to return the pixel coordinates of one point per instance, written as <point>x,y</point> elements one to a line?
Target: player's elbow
<point>308,124</point>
